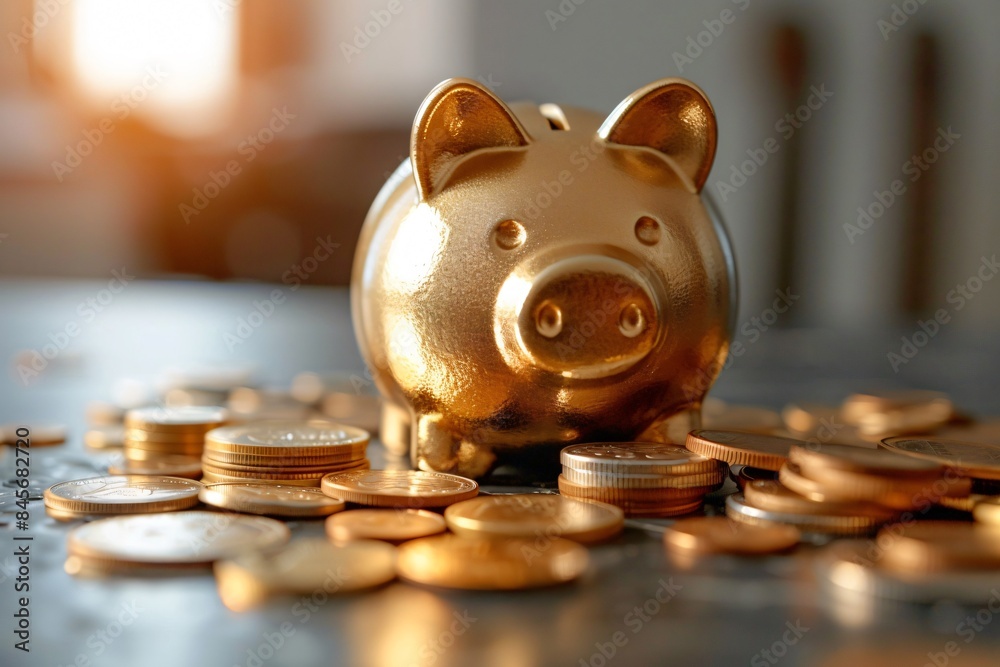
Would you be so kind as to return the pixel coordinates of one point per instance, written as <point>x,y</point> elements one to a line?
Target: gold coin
<point>66,516</point>
<point>855,487</point>
<point>123,494</point>
<point>175,537</point>
<point>739,510</point>
<point>736,448</point>
<point>643,481</point>
<point>36,435</point>
<point>858,406</point>
<point>716,535</point>
<point>973,459</point>
<point>614,495</point>
<point>153,439</point>
<point>534,515</point>
<point>454,561</point>
<point>270,499</point>
<point>311,471</point>
<point>635,457</point>
<point>315,437</point>
<point>987,510</point>
<point>139,454</point>
<point>819,458</point>
<point>937,546</point>
<point>100,568</point>
<point>964,504</point>
<point>388,525</point>
<point>211,478</point>
<point>304,567</point>
<point>257,461</point>
<point>399,488</point>
<point>176,420</point>
<point>897,412</point>
<point>171,466</point>
<point>775,497</point>
<point>104,437</point>
<point>279,474</point>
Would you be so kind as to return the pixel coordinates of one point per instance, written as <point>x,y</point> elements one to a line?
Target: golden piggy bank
<point>537,276</point>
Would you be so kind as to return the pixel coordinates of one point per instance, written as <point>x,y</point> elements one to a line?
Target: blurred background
<point>220,139</point>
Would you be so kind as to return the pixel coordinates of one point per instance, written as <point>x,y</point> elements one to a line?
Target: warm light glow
<point>118,43</point>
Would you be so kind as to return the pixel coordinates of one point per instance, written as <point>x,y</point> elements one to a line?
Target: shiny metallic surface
<point>542,275</point>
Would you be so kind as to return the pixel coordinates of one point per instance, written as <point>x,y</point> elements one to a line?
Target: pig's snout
<point>588,317</point>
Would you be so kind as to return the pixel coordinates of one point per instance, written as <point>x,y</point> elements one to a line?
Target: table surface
<point>726,611</point>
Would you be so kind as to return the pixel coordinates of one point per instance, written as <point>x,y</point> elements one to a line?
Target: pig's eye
<point>509,234</point>
<point>647,230</point>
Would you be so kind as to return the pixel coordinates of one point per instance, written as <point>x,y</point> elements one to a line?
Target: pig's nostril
<point>548,320</point>
<point>631,322</point>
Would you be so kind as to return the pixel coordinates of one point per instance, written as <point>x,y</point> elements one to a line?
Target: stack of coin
<point>157,433</point>
<point>125,494</point>
<point>644,479</point>
<point>171,542</point>
<point>289,453</point>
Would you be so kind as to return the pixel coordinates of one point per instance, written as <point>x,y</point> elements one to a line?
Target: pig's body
<point>602,313</point>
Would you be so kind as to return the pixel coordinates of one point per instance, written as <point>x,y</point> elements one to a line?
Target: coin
<point>175,537</point>
<point>736,448</point>
<point>857,487</point>
<point>315,437</point>
<point>212,478</point>
<point>746,474</point>
<point>171,466</point>
<point>897,412</point>
<point>270,499</point>
<point>399,488</point>
<point>973,459</point>
<point>304,567</point>
<point>123,494</point>
<point>279,474</point>
<point>643,481</point>
<point>987,510</point>
<point>614,495</point>
<point>454,561</point>
<point>174,420</point>
<point>775,497</point>
<point>935,546</point>
<point>389,525</point>
<point>815,459</point>
<point>718,534</point>
<point>104,437</point>
<point>635,457</point>
<point>282,461</point>
<point>534,514</point>
<point>739,510</point>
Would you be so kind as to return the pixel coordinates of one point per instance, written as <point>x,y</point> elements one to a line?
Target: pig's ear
<point>458,117</point>
<point>672,117</point>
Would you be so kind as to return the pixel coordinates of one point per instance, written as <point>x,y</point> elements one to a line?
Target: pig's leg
<point>437,448</point>
<point>674,427</point>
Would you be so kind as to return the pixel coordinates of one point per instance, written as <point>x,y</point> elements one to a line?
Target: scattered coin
<point>972,459</point>
<point>716,535</point>
<point>123,494</point>
<point>454,561</point>
<point>399,488</point>
<point>388,525</point>
<point>733,447</point>
<point>304,567</point>
<point>739,510</point>
<point>173,538</point>
<point>530,515</point>
<point>270,499</point>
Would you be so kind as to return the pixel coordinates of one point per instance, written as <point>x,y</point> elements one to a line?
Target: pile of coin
<point>643,479</point>
<point>167,441</point>
<point>288,453</point>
